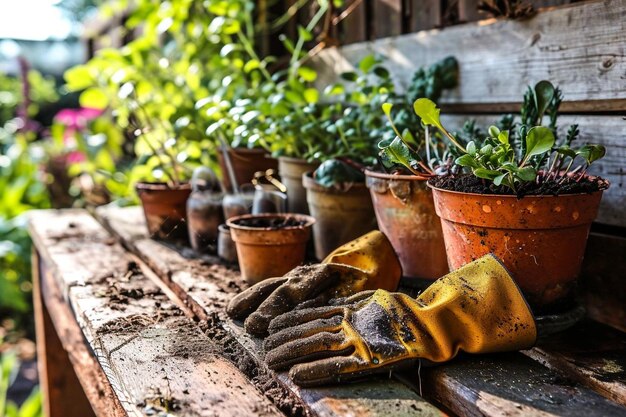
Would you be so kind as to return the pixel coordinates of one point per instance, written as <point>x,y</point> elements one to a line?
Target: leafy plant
<point>516,154</point>
<point>32,407</point>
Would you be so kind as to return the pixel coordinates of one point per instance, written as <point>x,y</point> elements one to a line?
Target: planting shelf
<point>140,326</point>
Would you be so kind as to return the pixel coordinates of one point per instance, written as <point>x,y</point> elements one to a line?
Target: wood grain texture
<point>580,47</point>
<point>207,286</point>
<point>154,357</point>
<point>510,385</point>
<point>424,15</point>
<point>609,131</point>
<point>386,18</point>
<point>591,354</point>
<point>354,27</point>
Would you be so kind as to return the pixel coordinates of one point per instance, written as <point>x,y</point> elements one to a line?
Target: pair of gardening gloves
<point>339,320</point>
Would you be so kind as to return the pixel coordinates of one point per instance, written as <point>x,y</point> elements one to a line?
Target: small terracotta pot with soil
<point>290,171</point>
<point>269,245</point>
<point>541,239</point>
<point>165,209</point>
<point>340,216</point>
<point>245,163</point>
<point>406,215</point>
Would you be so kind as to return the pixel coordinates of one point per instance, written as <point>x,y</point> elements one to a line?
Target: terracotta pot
<point>290,171</point>
<point>341,216</point>
<point>406,215</point>
<point>245,163</point>
<point>165,210</point>
<point>266,252</point>
<point>204,215</point>
<point>540,239</point>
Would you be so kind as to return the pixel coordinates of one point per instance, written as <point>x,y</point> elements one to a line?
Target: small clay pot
<point>540,239</point>
<point>245,163</point>
<point>406,215</point>
<point>165,210</point>
<point>290,171</point>
<point>226,248</point>
<point>265,251</point>
<point>341,216</point>
<point>204,215</point>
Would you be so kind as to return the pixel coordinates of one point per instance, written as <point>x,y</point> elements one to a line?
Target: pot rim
<point>385,176</point>
<point>161,186</point>
<point>309,182</point>
<point>295,160</point>
<point>310,220</point>
<point>443,190</point>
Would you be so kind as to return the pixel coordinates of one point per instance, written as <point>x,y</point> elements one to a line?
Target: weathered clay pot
<point>540,239</point>
<point>165,210</point>
<point>266,252</point>
<point>406,215</point>
<point>245,163</point>
<point>204,215</point>
<point>341,216</point>
<point>290,171</point>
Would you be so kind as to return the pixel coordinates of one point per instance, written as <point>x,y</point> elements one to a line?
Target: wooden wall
<point>581,48</point>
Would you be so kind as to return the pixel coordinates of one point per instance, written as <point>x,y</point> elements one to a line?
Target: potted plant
<point>522,194</point>
<point>269,245</point>
<point>402,201</point>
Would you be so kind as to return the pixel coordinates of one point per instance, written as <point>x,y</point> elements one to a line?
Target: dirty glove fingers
<point>249,300</point>
<point>326,371</point>
<point>304,283</point>
<point>319,346</point>
<point>332,325</point>
<point>353,299</point>
<point>297,317</point>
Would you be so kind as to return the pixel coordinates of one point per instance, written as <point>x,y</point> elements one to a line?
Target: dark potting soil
<point>271,222</point>
<point>470,184</point>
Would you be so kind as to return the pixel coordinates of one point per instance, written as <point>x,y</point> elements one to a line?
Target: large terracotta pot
<point>245,163</point>
<point>165,210</point>
<point>266,252</point>
<point>540,239</point>
<point>341,216</point>
<point>290,171</point>
<point>406,215</point>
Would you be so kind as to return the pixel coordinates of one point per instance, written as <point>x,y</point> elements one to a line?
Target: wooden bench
<point>130,326</point>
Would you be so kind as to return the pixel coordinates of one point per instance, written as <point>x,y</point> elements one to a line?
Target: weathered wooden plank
<point>424,15</point>
<point>591,354</point>
<point>603,287</point>
<point>510,385</point>
<point>153,356</point>
<point>606,130</point>
<point>56,354</point>
<point>353,27</point>
<point>579,47</point>
<point>386,18</point>
<point>380,398</point>
<point>468,11</point>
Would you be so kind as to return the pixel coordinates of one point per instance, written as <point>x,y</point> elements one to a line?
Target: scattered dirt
<point>271,223</point>
<point>471,184</point>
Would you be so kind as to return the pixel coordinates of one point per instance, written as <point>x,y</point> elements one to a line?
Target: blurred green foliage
<point>32,407</point>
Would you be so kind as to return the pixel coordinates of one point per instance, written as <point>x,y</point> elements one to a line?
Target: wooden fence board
<point>386,18</point>
<point>206,285</point>
<point>579,47</point>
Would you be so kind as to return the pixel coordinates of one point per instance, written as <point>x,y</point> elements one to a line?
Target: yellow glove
<point>366,263</point>
<point>477,309</point>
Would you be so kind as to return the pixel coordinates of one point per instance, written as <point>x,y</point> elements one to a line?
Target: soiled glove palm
<point>476,309</point>
<point>366,263</point>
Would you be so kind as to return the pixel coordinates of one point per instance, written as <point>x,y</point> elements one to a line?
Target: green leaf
<point>544,92</point>
<point>251,65</point>
<point>349,76</point>
<point>93,98</point>
<point>503,137</point>
<point>367,63</point>
<point>311,95</point>
<point>334,89</point>
<point>78,78</point>
<point>304,34</point>
<point>381,72</point>
<point>399,153</point>
<point>466,161</point>
<point>427,110</point>
<point>527,174</point>
<point>494,131</point>
<point>591,153</point>
<point>471,148</point>
<point>498,180</point>
<point>566,151</point>
<point>307,74</point>
<point>487,174</point>
<point>539,139</point>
